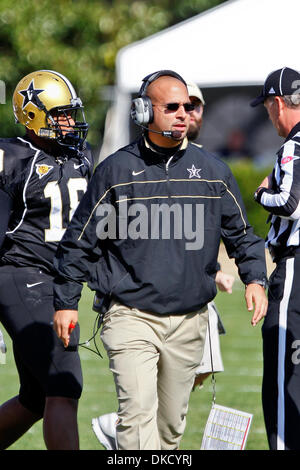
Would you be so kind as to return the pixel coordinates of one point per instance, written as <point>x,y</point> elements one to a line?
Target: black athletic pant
<point>281,350</point>
<point>45,367</point>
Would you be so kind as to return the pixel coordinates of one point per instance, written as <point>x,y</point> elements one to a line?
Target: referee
<point>279,194</point>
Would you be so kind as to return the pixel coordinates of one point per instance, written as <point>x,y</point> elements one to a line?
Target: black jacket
<point>163,264</point>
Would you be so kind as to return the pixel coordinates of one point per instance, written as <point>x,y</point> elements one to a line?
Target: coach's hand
<point>255,294</point>
<point>64,322</point>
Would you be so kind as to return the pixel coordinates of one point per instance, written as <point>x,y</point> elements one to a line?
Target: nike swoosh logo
<point>77,166</point>
<point>35,284</point>
<point>135,173</point>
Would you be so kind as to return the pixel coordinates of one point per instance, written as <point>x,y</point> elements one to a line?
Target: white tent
<point>235,44</point>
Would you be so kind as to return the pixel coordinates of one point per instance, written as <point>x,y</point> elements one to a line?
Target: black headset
<point>141,107</point>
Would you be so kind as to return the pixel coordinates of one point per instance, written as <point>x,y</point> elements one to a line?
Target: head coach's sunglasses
<point>188,107</point>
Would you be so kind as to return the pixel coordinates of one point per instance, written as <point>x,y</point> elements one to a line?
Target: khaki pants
<point>153,359</point>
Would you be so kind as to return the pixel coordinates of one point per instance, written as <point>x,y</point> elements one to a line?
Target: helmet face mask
<point>46,103</point>
<point>67,125</point>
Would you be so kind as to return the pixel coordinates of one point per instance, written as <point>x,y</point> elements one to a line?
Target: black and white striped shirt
<point>282,200</point>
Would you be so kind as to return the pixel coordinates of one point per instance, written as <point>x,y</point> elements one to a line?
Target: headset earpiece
<point>142,111</point>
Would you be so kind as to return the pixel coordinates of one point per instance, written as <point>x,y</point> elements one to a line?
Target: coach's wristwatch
<point>261,282</point>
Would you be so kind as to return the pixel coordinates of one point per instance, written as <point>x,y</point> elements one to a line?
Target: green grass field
<point>239,386</point>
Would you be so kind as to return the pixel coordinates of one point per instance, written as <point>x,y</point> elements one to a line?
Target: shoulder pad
<point>14,156</point>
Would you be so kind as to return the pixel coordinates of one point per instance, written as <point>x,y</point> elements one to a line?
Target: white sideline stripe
<point>283,308</point>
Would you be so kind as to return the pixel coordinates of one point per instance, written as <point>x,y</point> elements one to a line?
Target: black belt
<point>279,252</point>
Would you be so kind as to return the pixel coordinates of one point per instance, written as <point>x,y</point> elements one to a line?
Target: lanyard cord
<point>96,328</point>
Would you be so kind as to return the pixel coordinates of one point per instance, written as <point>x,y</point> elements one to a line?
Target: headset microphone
<point>170,134</point>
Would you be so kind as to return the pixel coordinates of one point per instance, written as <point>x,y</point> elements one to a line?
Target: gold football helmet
<point>38,101</point>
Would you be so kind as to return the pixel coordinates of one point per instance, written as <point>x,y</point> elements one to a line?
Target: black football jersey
<point>45,191</point>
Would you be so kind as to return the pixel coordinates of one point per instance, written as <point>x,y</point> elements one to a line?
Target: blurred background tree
<point>79,39</point>
<point>248,177</point>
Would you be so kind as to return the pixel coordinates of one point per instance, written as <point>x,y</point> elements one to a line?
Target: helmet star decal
<point>30,95</point>
<point>194,172</point>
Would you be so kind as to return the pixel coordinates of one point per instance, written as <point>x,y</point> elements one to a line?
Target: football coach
<point>155,279</point>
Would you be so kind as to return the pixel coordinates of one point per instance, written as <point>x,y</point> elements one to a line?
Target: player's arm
<point>76,256</point>
<point>72,264</point>
<point>12,162</point>
<point>5,210</point>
